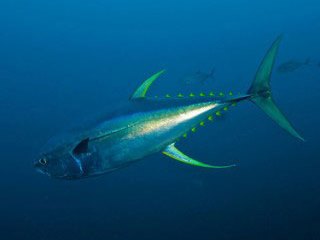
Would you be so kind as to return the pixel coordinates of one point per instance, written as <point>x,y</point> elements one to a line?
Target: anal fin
<point>172,152</point>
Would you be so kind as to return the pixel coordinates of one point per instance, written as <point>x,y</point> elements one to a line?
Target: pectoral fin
<point>173,152</point>
<point>82,147</point>
<point>141,91</point>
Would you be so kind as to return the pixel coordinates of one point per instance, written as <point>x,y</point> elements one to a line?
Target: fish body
<point>141,128</point>
<point>198,77</point>
<point>150,125</point>
<point>292,66</point>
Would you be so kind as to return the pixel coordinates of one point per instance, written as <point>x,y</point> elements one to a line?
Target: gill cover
<point>172,152</point>
<point>76,165</point>
<point>260,91</point>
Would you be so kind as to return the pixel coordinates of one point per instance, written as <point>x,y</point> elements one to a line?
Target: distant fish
<point>198,77</point>
<point>292,66</point>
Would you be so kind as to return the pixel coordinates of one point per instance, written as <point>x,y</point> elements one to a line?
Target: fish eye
<point>43,161</point>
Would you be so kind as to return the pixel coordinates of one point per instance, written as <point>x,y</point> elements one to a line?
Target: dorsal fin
<point>172,152</point>
<point>141,91</point>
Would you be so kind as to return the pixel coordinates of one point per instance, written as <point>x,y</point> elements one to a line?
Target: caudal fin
<point>260,91</point>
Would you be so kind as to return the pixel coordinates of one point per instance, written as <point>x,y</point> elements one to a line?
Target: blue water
<point>64,61</point>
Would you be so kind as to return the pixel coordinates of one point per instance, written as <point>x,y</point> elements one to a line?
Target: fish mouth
<point>42,172</point>
<point>39,169</point>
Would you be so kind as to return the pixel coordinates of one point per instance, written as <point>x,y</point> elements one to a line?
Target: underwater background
<point>65,61</point>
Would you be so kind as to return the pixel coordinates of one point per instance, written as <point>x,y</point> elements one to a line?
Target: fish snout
<point>40,165</point>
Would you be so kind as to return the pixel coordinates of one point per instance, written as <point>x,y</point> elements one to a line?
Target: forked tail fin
<point>260,91</point>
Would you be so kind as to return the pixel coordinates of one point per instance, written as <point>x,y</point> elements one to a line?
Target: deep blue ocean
<point>64,61</point>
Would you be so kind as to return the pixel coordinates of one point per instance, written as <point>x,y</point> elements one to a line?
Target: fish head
<point>62,162</point>
<point>61,167</point>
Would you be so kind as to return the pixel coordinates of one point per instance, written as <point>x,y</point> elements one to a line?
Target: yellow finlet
<point>168,96</point>
<point>210,118</point>
<point>191,95</point>
<point>225,108</point>
<point>202,95</point>
<point>185,135</point>
<point>180,95</point>
<point>202,124</point>
<point>230,93</point>
<point>211,94</point>
<point>193,129</point>
<point>221,94</point>
<point>234,104</point>
<point>218,113</point>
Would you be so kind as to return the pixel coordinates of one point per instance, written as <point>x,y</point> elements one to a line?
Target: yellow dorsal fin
<point>141,91</point>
